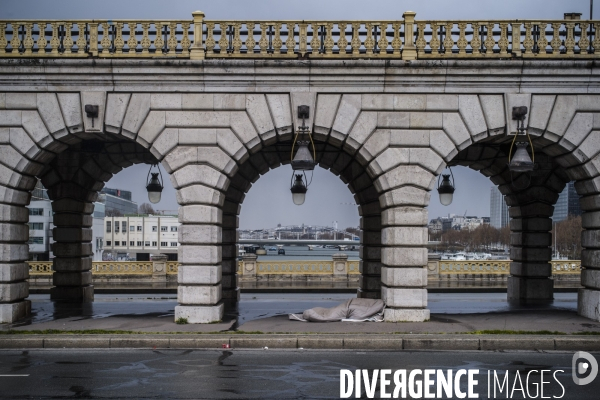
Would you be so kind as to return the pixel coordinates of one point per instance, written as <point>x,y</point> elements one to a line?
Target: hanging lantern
<point>521,162</point>
<point>299,190</point>
<point>154,185</point>
<point>303,160</point>
<point>446,188</point>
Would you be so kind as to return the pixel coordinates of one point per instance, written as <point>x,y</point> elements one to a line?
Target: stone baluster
<point>3,41</point>
<point>250,41</point>
<point>197,49</point>
<point>28,41</point>
<point>516,38</point>
<point>396,42</point>
<point>290,43</point>
<point>119,42</point>
<point>382,43</point>
<point>584,40</point>
<point>355,42</point>
<point>448,40</point>
<point>159,42</point>
<point>81,40</point>
<point>303,38</point>
<point>263,42</point>
<point>105,42</point>
<point>185,38</point>
<point>68,40</point>
<point>237,41</point>
<point>42,42</point>
<point>132,42</point>
<point>172,41</point>
<point>342,42</point>
<point>462,42</point>
<point>369,41</point>
<point>224,40</point>
<point>543,40</point>
<point>328,43</point>
<point>277,42</point>
<point>503,41</point>
<point>570,39</point>
<point>93,49</point>
<point>210,39</point>
<point>489,41</point>
<point>476,40</point>
<point>15,42</point>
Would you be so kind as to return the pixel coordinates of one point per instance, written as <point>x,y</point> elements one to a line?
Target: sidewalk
<point>148,323</point>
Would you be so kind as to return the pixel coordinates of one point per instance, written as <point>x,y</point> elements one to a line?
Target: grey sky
<point>269,201</point>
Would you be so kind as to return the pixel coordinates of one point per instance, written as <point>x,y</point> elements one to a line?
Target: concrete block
<point>391,119</point>
<point>232,145</point>
<point>493,110</point>
<point>14,232</point>
<point>496,343</point>
<point>2,100</point>
<point>404,277</point>
<point>526,239</point>
<point>404,256</point>
<point>21,101</point>
<point>70,105</point>
<point>404,216</point>
<point>368,294</point>
<point>410,102</point>
<point>426,158</point>
<point>442,102</point>
<point>13,312</point>
<point>258,111</point>
<point>200,136</point>
<point>370,267</point>
<point>409,137</point>
<point>404,196</point>
<point>320,342</point>
<point>590,258</point>
<point>541,107</point>
<point>405,175</point>
<point>590,220</point>
<point>563,112</point>
<point>200,214</point>
<point>279,105</point>
<point>405,298</point>
<point>405,315</point>
<point>375,144</point>
<point>195,254</point>
<point>590,278</point>
<point>199,274</point>
<point>529,269</point>
<point>200,314</point>
<point>80,220</point>
<point>152,127</point>
<point>72,294</point>
<point>588,304</point>
<point>367,343</point>
<point>137,110</point>
<point>390,158</point>
<point>143,342</point>
<point>95,98</point>
<point>364,126</point>
<point>202,295</point>
<point>472,114</point>
<point>377,102</point>
<point>217,158</point>
<point>199,174</point>
<point>243,342</point>
<point>531,224</point>
<point>531,254</point>
<point>49,109</point>
<point>199,234</point>
<point>72,264</point>
<point>14,272</point>
<point>456,130</point>
<point>425,120</point>
<point>529,290</point>
<point>11,292</point>
<point>72,235</point>
<point>116,106</point>
<point>71,249</point>
<point>165,142</point>
<point>348,111</point>
<point>197,343</point>
<point>455,343</point>
<point>404,236</point>
<point>72,278</point>
<point>577,343</point>
<point>35,127</point>
<point>77,342</point>
<point>13,252</point>
<point>231,102</point>
<point>21,342</point>
<point>371,253</point>
<point>244,129</point>
<point>579,128</point>
<point>165,101</point>
<point>197,101</point>
<point>10,118</point>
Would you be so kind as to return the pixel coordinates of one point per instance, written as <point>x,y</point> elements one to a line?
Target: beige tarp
<point>352,310</point>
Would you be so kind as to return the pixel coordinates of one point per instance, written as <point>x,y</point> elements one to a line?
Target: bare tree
<point>113,212</point>
<point>568,237</point>
<point>146,208</point>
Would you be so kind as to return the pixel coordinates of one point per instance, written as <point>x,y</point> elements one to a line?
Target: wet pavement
<point>264,374</point>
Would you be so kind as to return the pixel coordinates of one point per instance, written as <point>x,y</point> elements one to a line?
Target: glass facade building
<point>498,209</point>
<point>117,202</point>
<point>567,204</point>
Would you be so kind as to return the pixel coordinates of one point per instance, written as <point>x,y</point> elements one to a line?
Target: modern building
<point>567,204</point>
<point>139,237</point>
<point>117,202</point>
<point>499,217</point>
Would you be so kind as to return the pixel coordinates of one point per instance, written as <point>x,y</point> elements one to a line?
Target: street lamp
<point>303,160</point>
<point>521,162</point>
<point>154,185</point>
<point>446,188</point>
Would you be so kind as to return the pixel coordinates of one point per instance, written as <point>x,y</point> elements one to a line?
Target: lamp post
<point>154,185</point>
<point>303,160</point>
<point>521,162</point>
<point>446,188</point>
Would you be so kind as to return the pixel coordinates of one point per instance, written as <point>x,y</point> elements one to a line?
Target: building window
<point>131,243</point>
<point>139,244</point>
<point>139,228</point>
<point>36,226</point>
<point>108,243</point>
<point>163,244</point>
<point>153,244</point>
<point>164,228</point>
<point>36,211</point>
<point>173,244</point>
<point>108,230</point>
<point>117,243</point>
<point>155,229</point>
<point>98,243</point>
<point>36,240</point>
<point>117,227</point>
<point>131,228</point>
<point>123,226</point>
<point>173,229</point>
<point>146,243</point>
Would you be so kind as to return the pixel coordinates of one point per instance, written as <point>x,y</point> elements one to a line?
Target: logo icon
<point>581,367</point>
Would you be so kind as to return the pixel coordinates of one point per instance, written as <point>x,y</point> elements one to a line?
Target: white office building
<point>499,217</point>
<point>139,237</point>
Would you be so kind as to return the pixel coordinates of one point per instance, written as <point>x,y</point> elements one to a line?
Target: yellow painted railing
<point>559,267</point>
<point>309,267</point>
<point>400,39</point>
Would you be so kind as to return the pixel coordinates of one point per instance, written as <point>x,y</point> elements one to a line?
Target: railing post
<point>197,49</point>
<point>409,51</point>
<point>93,46</point>
<point>340,264</point>
<point>159,268</point>
<point>249,267</point>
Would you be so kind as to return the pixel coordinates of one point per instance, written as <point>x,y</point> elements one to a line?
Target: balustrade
<point>399,39</point>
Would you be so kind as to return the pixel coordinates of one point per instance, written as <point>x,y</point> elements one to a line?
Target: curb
<point>282,341</point>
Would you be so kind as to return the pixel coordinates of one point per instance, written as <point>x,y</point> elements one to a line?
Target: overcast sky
<point>328,199</point>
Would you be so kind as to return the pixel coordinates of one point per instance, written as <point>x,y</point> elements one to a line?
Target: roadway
<point>258,374</point>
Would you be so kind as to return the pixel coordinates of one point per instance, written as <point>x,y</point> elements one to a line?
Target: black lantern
<point>154,185</point>
<point>521,162</point>
<point>303,160</point>
<point>299,190</point>
<point>446,188</point>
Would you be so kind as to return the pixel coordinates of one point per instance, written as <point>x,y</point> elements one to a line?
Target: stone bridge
<point>386,118</point>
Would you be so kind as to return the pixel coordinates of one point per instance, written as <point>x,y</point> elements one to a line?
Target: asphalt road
<point>260,374</point>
